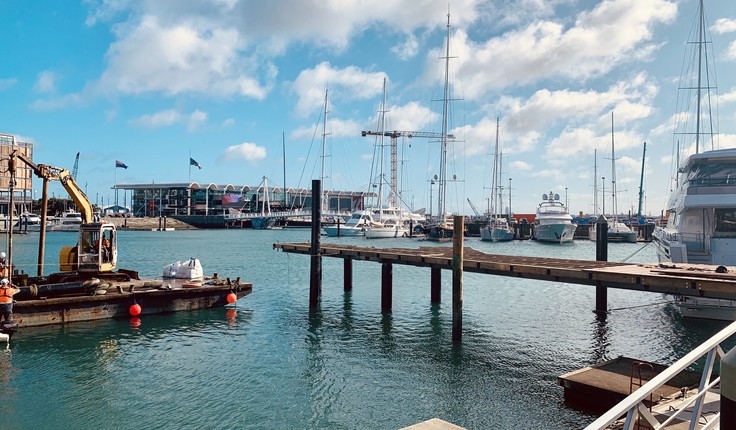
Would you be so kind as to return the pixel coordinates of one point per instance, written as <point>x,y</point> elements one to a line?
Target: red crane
<point>394,135</point>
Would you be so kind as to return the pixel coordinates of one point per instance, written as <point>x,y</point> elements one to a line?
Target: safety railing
<point>633,406</point>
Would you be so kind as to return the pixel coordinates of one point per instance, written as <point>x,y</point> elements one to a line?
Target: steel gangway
<point>689,409</point>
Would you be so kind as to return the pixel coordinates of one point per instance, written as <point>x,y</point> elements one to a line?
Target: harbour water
<point>273,364</point>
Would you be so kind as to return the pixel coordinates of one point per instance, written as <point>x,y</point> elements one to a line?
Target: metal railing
<point>633,406</point>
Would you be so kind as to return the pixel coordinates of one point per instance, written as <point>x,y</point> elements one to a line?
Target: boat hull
<point>555,233</point>
<point>386,232</point>
<point>343,231</point>
<point>496,234</point>
<point>712,309</point>
<point>440,233</point>
<point>154,297</point>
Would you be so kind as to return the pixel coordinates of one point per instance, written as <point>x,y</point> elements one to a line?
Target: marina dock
<point>681,279</point>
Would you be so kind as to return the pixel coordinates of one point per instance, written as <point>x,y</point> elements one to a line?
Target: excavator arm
<point>52,173</point>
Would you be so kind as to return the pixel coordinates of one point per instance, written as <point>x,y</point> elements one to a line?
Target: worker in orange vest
<point>7,292</point>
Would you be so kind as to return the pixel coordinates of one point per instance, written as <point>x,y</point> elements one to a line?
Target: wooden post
<point>601,254</point>
<point>42,233</point>
<point>315,267</point>
<point>386,285</point>
<point>348,274</point>
<point>457,278</point>
<point>436,285</point>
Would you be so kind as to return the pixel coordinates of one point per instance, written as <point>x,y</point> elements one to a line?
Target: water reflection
<point>601,342</point>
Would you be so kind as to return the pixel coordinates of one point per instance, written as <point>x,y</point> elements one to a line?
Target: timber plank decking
<point>684,279</point>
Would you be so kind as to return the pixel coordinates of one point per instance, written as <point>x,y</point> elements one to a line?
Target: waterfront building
<point>23,187</point>
<point>207,204</point>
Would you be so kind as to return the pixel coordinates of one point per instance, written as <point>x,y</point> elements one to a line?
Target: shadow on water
<point>601,343</point>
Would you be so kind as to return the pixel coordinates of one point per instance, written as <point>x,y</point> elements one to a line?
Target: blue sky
<point>149,82</point>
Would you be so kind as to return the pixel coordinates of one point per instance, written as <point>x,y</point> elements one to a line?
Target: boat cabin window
<point>725,222</point>
<point>708,174</point>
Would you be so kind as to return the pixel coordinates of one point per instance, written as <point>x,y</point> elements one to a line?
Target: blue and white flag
<point>119,163</point>
<point>193,162</point>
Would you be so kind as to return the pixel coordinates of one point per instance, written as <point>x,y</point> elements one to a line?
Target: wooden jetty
<point>683,279</point>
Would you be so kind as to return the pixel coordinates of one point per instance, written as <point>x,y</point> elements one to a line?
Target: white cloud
<point>724,25</point>
<point>170,117</point>
<point>74,99</point>
<point>245,151</point>
<point>608,36</point>
<point>519,165</point>
<point>46,82</point>
<point>349,83</point>
<point>407,49</point>
<point>228,122</point>
<point>180,57</point>
<point>7,83</point>
<point>731,51</point>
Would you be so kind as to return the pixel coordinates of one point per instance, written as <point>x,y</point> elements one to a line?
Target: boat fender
<point>135,309</point>
<point>91,283</point>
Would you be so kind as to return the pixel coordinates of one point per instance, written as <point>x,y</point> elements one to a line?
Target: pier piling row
<point>681,279</point>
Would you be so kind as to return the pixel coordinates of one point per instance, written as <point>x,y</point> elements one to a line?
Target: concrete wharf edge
<point>684,279</point>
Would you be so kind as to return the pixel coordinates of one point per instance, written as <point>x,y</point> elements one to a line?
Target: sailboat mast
<point>701,30</point>
<point>494,179</point>
<point>613,172</point>
<point>325,201</point>
<point>443,157</point>
<point>641,181</point>
<point>595,182</point>
<point>283,149</point>
<point>382,129</point>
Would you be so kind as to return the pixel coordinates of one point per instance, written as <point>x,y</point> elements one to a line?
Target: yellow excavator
<point>96,252</point>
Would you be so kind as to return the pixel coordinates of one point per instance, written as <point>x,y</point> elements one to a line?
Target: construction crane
<point>394,135</point>
<point>76,167</point>
<point>475,210</point>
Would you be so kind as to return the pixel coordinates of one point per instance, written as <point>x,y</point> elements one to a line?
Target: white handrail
<point>632,402</point>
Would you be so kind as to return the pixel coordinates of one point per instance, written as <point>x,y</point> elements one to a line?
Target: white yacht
<point>354,226</point>
<point>553,222</point>
<point>27,221</point>
<point>70,221</point>
<point>701,211</point>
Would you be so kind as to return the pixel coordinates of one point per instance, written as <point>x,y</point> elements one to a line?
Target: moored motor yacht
<point>553,223</point>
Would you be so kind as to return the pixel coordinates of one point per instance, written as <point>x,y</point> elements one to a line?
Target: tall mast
<point>494,179</point>
<point>443,156</point>
<point>641,181</point>
<point>595,182</point>
<point>613,173</point>
<point>325,201</point>
<point>701,30</point>
<point>283,149</point>
<point>382,129</point>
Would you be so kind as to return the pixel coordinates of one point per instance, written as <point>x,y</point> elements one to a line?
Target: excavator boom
<point>62,175</point>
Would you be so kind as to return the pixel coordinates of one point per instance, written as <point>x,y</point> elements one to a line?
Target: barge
<point>97,299</point>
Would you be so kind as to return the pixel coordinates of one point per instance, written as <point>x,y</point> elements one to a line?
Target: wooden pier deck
<point>682,279</point>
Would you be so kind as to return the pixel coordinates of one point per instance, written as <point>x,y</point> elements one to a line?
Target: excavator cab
<point>96,250</point>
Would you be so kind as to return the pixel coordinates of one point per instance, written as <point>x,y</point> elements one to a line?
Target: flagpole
<point>116,185</point>
<point>190,167</point>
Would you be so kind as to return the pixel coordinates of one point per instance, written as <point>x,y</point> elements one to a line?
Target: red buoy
<point>135,309</point>
<point>232,298</point>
